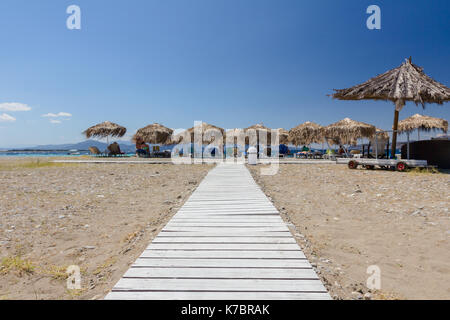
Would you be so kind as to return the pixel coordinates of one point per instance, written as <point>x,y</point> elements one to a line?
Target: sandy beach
<point>347,220</point>
<point>102,216</point>
<point>97,216</point>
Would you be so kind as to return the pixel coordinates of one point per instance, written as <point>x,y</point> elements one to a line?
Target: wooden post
<point>398,106</point>
<point>387,151</point>
<point>376,145</point>
<point>407,136</point>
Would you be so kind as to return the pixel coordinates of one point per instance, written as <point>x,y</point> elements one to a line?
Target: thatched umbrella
<point>235,134</point>
<point>105,130</point>
<point>207,131</point>
<point>257,129</point>
<point>348,131</point>
<point>422,123</point>
<point>154,134</point>
<point>283,135</point>
<point>306,133</point>
<point>407,82</point>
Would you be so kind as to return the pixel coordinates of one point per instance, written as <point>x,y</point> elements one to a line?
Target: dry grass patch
<point>428,170</point>
<point>107,264</point>
<point>30,164</point>
<point>18,265</point>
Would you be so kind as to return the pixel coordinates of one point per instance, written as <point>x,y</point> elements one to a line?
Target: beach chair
<point>96,152</point>
<point>317,155</point>
<point>114,150</point>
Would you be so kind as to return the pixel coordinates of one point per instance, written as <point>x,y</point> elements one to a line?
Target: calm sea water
<point>80,153</point>
<point>40,154</point>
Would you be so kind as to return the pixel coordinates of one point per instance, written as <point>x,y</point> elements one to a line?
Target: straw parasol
<point>348,131</point>
<point>283,135</point>
<point>422,123</point>
<point>306,133</point>
<point>208,132</point>
<point>154,133</point>
<point>258,129</point>
<point>407,82</point>
<point>235,134</point>
<point>105,130</point>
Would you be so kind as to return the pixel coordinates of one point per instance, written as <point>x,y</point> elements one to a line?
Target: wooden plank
<point>234,219</point>
<point>221,263</point>
<point>207,209</point>
<point>222,240</point>
<point>221,224</point>
<point>225,233</point>
<point>249,285</point>
<point>170,228</point>
<point>230,213</point>
<point>188,295</point>
<point>223,246</point>
<point>220,273</point>
<point>211,254</point>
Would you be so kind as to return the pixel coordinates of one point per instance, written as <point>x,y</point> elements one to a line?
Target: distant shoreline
<point>41,150</point>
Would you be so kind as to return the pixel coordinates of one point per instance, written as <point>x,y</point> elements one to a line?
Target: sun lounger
<point>96,152</point>
<point>114,150</point>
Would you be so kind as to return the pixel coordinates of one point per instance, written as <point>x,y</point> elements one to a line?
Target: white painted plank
<point>170,228</point>
<point>225,233</point>
<point>234,219</point>
<point>234,263</point>
<point>183,295</point>
<point>174,223</point>
<point>223,240</point>
<point>223,254</point>
<point>220,273</point>
<point>223,246</point>
<point>220,285</point>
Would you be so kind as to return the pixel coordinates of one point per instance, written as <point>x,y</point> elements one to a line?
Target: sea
<point>78,153</point>
<point>42,153</point>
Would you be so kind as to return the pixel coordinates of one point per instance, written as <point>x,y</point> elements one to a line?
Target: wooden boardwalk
<point>227,242</point>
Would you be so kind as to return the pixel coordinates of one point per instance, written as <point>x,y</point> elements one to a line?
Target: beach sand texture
<point>346,220</point>
<point>97,216</point>
<point>102,216</point>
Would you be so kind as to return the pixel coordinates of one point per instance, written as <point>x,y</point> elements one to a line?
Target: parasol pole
<point>398,106</point>
<point>376,145</point>
<point>407,136</point>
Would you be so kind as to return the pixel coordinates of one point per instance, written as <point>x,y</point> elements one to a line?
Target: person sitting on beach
<point>114,149</point>
<point>341,150</point>
<point>142,149</point>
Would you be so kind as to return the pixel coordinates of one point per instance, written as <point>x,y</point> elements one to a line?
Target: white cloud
<point>55,121</point>
<point>6,118</point>
<point>56,115</point>
<point>14,106</point>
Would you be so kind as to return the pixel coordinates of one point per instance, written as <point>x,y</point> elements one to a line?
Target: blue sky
<point>232,63</point>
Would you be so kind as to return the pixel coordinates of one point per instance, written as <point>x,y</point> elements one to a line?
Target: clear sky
<point>232,63</point>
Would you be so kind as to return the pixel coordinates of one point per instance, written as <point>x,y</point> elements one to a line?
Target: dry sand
<point>97,216</point>
<point>346,220</point>
<point>102,216</point>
